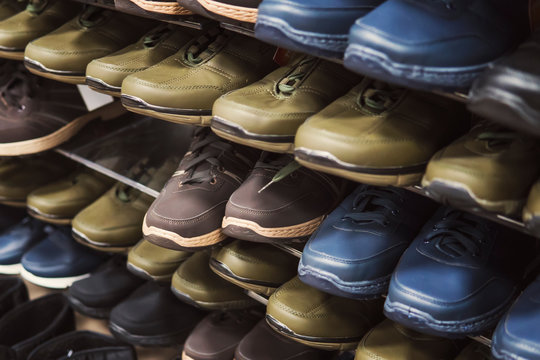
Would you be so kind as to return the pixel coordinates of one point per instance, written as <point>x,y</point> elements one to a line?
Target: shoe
<point>194,283</point>
<point>169,7</point>
<point>205,178</point>
<point>391,341</point>
<point>378,134</point>
<point>531,211</point>
<point>58,202</point>
<point>459,276</point>
<point>8,8</point>
<point>152,316</point>
<point>475,351</point>
<point>267,113</point>
<point>503,93</point>
<point>356,249</point>
<point>58,261</point>
<point>107,73</point>
<point>262,343</point>
<point>447,44</point>
<point>95,296</point>
<point>516,337</point>
<point>13,293</point>
<point>218,334</point>
<point>113,222</point>
<point>83,344</point>
<point>49,316</point>
<point>318,28</point>
<point>224,10</point>
<point>40,18</point>
<point>261,268</point>
<point>63,54</point>
<point>487,169</point>
<point>16,240</point>
<point>183,87</point>
<point>152,262</point>
<point>33,120</point>
<point>320,320</point>
<point>264,209</point>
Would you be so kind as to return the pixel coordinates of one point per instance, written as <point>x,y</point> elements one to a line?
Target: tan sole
<point>259,289</point>
<point>119,250</point>
<point>259,144</point>
<point>61,135</point>
<point>15,203</point>
<point>12,55</point>
<point>209,239</point>
<point>47,218</point>
<point>62,78</point>
<point>400,180</point>
<point>106,92</point>
<point>234,12</point>
<point>162,7</point>
<point>293,231</point>
<point>175,118</point>
<point>185,357</point>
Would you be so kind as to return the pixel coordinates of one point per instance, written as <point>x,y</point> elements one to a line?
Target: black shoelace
<point>375,205</point>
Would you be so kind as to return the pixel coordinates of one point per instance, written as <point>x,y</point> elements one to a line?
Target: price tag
<point>92,99</point>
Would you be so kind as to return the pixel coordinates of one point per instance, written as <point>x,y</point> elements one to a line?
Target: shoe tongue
<point>91,16</point>
<point>379,96</point>
<point>154,36</point>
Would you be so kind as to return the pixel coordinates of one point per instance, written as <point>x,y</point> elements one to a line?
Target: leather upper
<point>9,8</point>
<point>19,238</point>
<point>156,260</point>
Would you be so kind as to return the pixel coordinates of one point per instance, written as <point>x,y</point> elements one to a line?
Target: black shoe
<point>96,295</point>
<point>12,293</point>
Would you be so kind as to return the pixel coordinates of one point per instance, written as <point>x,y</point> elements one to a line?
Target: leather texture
<point>531,211</point>
<point>158,262</point>
<point>9,8</point>
<point>19,238</point>
<point>355,250</point>
<point>13,293</point>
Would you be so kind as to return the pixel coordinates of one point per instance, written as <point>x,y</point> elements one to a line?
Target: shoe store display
<point>224,10</point>
<point>459,276</point>
<point>261,268</point>
<point>16,240</point>
<point>489,168</point>
<point>95,296</point>
<point>83,344</point>
<point>194,283</point>
<point>475,351</point>
<point>356,249</point>
<point>218,334</point>
<point>153,262</point>
<point>531,211</point>
<point>267,113</point>
<point>13,293</point>
<point>431,45</point>
<point>107,73</point>
<point>320,320</point>
<point>39,18</point>
<point>152,316</point>
<point>169,7</point>
<point>59,201</point>
<point>183,87</point>
<point>205,178</point>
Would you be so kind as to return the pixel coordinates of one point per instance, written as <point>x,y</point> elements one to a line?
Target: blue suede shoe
<point>16,240</point>
<point>355,250</point>
<point>517,336</point>
<point>315,27</point>
<point>58,261</point>
<point>435,44</point>
<point>459,276</point>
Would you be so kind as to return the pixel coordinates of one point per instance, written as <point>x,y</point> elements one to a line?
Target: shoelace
<point>36,6</point>
<point>498,138</point>
<point>458,233</point>
<point>291,82</point>
<point>22,84</point>
<point>375,205</point>
<point>153,37</point>
<point>91,16</point>
<point>206,46</point>
<point>282,163</point>
<point>380,96</point>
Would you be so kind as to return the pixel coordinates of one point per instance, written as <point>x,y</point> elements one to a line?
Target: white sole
<point>13,269</point>
<point>51,283</point>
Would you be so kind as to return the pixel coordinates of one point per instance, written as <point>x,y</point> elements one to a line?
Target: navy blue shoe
<point>316,27</point>
<point>58,261</point>
<point>16,240</point>
<point>459,276</point>
<point>435,44</point>
<point>355,250</point>
<point>517,336</point>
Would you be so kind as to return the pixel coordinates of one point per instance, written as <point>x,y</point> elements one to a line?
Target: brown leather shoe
<point>266,210</point>
<point>207,175</point>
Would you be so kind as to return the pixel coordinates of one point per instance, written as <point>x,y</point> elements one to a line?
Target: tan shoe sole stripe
<point>259,289</point>
<point>75,80</point>
<point>52,219</point>
<point>231,11</point>
<point>259,144</point>
<point>299,230</point>
<point>177,119</point>
<point>12,55</point>
<point>162,7</point>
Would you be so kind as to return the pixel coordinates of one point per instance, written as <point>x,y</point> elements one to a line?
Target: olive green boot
<point>267,113</point>
<point>39,18</point>
<point>153,262</point>
<point>183,87</point>
<point>391,341</point>
<point>59,201</point>
<point>107,73</point>
<point>9,8</point>
<point>531,211</point>
<point>261,268</point>
<point>64,53</point>
<point>321,320</point>
<point>475,351</point>
<point>378,134</point>
<point>489,168</point>
<point>194,283</point>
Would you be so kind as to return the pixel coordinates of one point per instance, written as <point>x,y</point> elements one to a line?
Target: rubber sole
<point>377,65</point>
<point>259,287</point>
<point>244,14</point>
<point>162,7</point>
<point>47,142</point>
<point>146,275</point>
<point>11,269</point>
<point>331,344</point>
<point>177,116</point>
<point>102,87</point>
<point>222,305</point>
<point>70,77</point>
<point>48,218</point>
<point>51,283</point>
<point>148,340</point>
<point>12,54</point>
<point>237,134</point>
<point>97,313</point>
<point>84,240</point>
<point>532,222</point>
<point>326,162</point>
<point>251,231</point>
<point>20,203</point>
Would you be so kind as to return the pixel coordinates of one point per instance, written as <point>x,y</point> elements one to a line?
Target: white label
<point>93,99</point>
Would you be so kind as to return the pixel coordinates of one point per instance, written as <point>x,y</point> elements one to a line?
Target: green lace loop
<point>379,97</point>
<point>152,38</point>
<point>91,16</point>
<point>36,6</point>
<point>205,46</point>
<point>289,83</point>
<point>498,138</point>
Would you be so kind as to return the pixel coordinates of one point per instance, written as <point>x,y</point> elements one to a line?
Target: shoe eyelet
<point>213,181</point>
